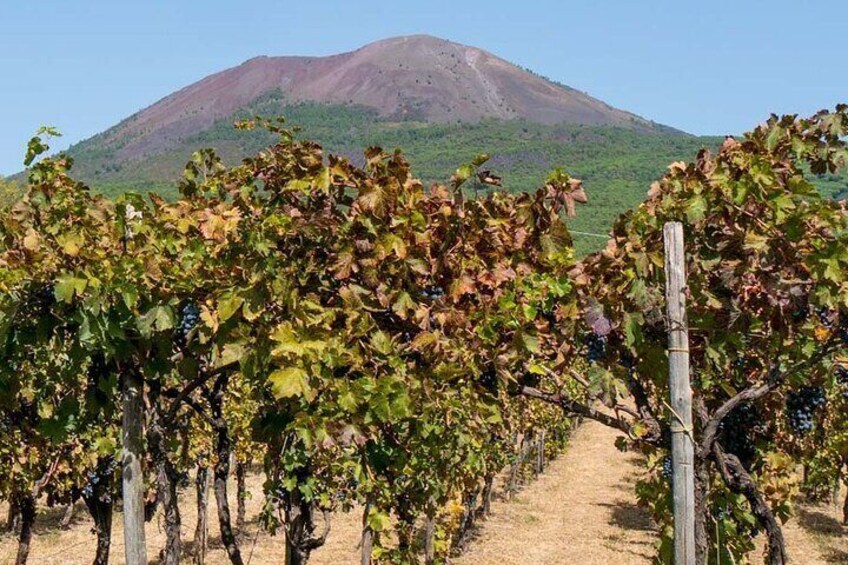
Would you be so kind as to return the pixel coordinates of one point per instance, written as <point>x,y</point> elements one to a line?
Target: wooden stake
<point>682,444</point>
<point>133,481</point>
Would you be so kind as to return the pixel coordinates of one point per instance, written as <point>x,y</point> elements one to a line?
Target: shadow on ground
<point>820,523</point>
<point>629,516</point>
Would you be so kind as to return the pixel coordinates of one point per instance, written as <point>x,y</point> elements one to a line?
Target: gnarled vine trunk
<point>485,507</point>
<point>702,481</point>
<point>300,526</point>
<point>466,522</point>
<point>223,450</point>
<point>201,531</point>
<point>430,535</point>
<point>845,511</point>
<point>26,508</point>
<point>167,479</point>
<point>68,516</point>
<point>100,505</point>
<point>738,480</point>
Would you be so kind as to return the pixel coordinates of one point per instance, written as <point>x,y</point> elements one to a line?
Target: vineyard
<point>391,350</point>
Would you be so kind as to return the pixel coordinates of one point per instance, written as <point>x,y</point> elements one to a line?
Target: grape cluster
<point>101,477</point>
<point>433,292</point>
<point>825,317</point>
<point>666,467</point>
<point>189,318</point>
<point>737,430</point>
<point>744,363</point>
<point>596,347</point>
<point>800,314</point>
<point>801,406</point>
<point>842,374</point>
<point>489,381</point>
<point>627,360</point>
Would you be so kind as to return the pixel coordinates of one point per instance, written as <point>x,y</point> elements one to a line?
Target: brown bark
<point>300,525</point>
<point>539,464</point>
<point>466,523</point>
<point>26,506</point>
<point>100,507</point>
<point>738,480</point>
<point>702,536</point>
<point>512,481</point>
<point>167,478</point>
<point>658,432</point>
<point>241,496</point>
<point>201,532</point>
<point>702,482</point>
<point>845,511</point>
<point>223,450</point>
<point>485,507</point>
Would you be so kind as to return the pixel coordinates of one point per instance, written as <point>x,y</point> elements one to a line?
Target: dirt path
<point>581,510</point>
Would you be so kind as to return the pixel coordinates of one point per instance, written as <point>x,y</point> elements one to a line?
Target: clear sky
<point>707,67</point>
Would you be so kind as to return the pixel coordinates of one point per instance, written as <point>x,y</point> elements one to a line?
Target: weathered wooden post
<point>682,441</point>
<point>367,541</point>
<point>132,449</point>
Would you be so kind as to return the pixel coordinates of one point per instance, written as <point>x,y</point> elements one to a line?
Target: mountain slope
<point>419,78</point>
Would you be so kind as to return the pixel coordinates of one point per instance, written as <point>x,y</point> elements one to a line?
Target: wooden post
<point>430,533</point>
<point>367,541</point>
<point>682,444</point>
<point>132,479</point>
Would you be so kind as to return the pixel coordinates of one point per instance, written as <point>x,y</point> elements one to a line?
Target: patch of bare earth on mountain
<point>581,510</point>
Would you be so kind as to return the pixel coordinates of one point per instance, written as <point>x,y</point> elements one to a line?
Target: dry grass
<point>581,510</point>
<point>816,536</point>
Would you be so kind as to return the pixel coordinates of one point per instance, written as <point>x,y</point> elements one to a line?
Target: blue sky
<point>706,67</point>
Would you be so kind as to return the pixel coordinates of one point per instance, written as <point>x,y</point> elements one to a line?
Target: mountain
<point>418,78</point>
<point>441,101</point>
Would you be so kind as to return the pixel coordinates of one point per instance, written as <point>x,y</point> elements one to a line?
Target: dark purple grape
<point>801,405</point>
<point>596,347</point>
<point>737,430</point>
<point>433,292</point>
<point>826,317</point>
<point>189,318</point>
<point>667,469</point>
